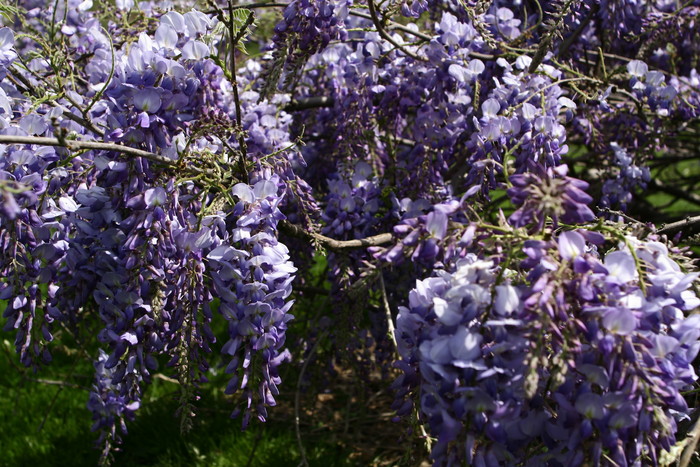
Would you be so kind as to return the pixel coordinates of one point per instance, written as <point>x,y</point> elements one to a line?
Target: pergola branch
<point>333,244</point>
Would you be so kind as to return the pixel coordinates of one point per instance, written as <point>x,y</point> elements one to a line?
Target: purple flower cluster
<point>152,96</point>
<point>618,191</point>
<point>520,123</point>
<point>549,193</point>
<point>252,276</point>
<point>307,27</point>
<point>650,86</point>
<point>352,203</point>
<point>429,102</point>
<point>551,368</point>
<point>123,239</point>
<point>32,234</point>
<point>423,234</point>
<point>109,408</point>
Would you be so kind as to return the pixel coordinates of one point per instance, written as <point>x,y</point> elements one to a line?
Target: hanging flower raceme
<point>548,193</point>
<point>305,29</point>
<point>252,276</point>
<point>508,371</point>
<point>352,202</point>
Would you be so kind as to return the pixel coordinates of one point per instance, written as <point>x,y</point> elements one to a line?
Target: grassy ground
<point>44,420</point>
<point>343,420</point>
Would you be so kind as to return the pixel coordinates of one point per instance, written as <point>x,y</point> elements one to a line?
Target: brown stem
<point>383,33</point>
<point>305,103</point>
<point>236,99</point>
<point>333,244</point>
<point>690,223</point>
<point>100,146</point>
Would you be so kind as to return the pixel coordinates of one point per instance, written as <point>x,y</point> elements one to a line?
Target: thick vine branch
<point>96,145</point>
<point>331,243</point>
<point>690,224</point>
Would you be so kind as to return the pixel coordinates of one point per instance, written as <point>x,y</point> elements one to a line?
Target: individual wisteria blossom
<point>7,50</point>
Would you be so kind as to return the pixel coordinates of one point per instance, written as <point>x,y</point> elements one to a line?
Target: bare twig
<point>383,33</point>
<point>675,191</point>
<point>62,384</point>
<point>165,378</point>
<point>566,43</point>
<point>250,6</point>
<point>333,244</point>
<point>309,103</point>
<point>256,443</point>
<point>20,81</point>
<point>234,84</point>
<point>394,25</point>
<point>387,311</point>
<point>392,336</point>
<point>693,438</point>
<point>546,40</point>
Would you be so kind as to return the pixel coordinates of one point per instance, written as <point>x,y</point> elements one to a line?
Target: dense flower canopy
<point>470,174</point>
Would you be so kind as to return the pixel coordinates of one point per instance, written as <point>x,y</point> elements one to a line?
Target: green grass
<point>45,424</point>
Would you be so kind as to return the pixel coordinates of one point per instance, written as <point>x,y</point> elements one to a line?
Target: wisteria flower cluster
<point>493,205</point>
<point>575,367</point>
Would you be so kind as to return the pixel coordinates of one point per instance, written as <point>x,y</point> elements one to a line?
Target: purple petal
<point>571,244</point>
<point>155,197</point>
<point>619,321</point>
<point>147,100</point>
